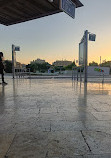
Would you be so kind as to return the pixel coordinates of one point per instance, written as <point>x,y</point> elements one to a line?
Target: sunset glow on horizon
<point>57,37</point>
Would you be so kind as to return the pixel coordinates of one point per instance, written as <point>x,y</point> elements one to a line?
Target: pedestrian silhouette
<point>2,68</point>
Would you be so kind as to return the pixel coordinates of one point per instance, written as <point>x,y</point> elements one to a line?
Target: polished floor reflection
<point>55,118</point>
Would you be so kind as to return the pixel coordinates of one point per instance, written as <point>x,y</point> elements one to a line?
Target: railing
<point>76,75</point>
<point>79,76</point>
<point>22,72</point>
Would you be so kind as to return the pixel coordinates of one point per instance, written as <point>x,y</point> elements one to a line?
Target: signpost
<point>17,48</point>
<point>14,48</point>
<point>83,51</point>
<point>85,54</point>
<point>68,7</point>
<point>92,37</point>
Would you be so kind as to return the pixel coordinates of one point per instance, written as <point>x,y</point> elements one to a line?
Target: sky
<point>57,37</point>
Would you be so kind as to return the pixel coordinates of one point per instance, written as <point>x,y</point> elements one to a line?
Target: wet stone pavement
<point>55,118</point>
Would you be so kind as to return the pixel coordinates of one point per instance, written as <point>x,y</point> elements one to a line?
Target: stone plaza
<point>55,118</point>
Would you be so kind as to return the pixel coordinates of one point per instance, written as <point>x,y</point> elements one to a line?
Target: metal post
<point>100,60</point>
<point>77,74</point>
<point>72,73</point>
<point>103,78</point>
<point>80,75</point>
<point>29,73</point>
<point>13,65</point>
<point>85,55</point>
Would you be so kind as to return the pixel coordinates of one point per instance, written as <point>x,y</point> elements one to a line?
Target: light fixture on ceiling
<point>50,1</point>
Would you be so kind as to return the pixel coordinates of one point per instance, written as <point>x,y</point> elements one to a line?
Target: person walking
<point>2,68</point>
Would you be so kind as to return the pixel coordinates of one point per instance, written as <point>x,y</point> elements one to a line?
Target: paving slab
<point>29,145</point>
<point>99,142</point>
<point>98,125</point>
<point>52,117</point>
<point>80,116</point>
<point>5,143</point>
<point>105,116</point>
<point>55,119</point>
<point>66,144</point>
<point>48,110</point>
<point>98,156</point>
<point>48,144</point>
<point>67,126</point>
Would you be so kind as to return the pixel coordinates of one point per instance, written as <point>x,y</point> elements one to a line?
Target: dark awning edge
<point>17,11</point>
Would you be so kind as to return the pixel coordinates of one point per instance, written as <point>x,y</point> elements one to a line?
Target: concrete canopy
<point>17,11</point>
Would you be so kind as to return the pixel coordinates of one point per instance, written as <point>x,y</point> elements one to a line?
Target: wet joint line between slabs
<point>6,155</point>
<point>86,141</point>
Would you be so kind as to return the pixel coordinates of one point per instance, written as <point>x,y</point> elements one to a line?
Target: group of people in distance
<point>2,68</point>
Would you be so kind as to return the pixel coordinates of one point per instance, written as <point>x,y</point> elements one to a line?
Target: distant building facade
<point>24,66</point>
<point>62,63</point>
<point>19,65</point>
<point>38,61</point>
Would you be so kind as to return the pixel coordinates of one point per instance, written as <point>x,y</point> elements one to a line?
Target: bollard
<point>103,79</point>
<point>77,74</point>
<point>18,73</point>
<point>29,73</point>
<point>80,75</point>
<point>72,73</point>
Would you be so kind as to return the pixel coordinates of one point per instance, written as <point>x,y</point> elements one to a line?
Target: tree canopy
<point>106,64</point>
<point>93,64</point>
<point>8,66</point>
<point>69,67</point>
<point>38,67</point>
